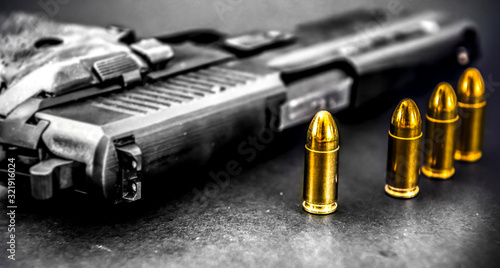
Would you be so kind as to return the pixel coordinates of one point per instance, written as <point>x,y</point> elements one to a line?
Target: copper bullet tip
<point>443,103</point>
<point>322,134</point>
<point>471,87</point>
<point>406,121</point>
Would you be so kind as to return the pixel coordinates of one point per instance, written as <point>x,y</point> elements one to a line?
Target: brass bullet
<point>321,165</point>
<point>471,109</point>
<point>439,143</point>
<point>405,149</point>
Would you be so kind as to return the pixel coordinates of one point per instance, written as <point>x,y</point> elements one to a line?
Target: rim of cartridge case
<point>319,209</point>
<point>468,156</point>
<point>401,193</point>
<point>403,138</point>
<point>471,105</point>
<point>323,152</point>
<point>441,120</point>
<point>438,173</point>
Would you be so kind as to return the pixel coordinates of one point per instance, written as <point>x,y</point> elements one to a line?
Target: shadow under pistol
<point>102,112</point>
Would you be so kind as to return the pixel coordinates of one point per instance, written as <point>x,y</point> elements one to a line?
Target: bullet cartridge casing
<point>403,166</point>
<point>440,133</point>
<point>439,158</point>
<point>318,164</point>
<point>471,96</point>
<point>470,133</point>
<point>404,153</point>
<point>321,165</point>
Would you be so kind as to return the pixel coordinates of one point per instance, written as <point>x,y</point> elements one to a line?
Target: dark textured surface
<point>257,219</point>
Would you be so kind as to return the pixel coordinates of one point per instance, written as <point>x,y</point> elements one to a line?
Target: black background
<point>257,219</point>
